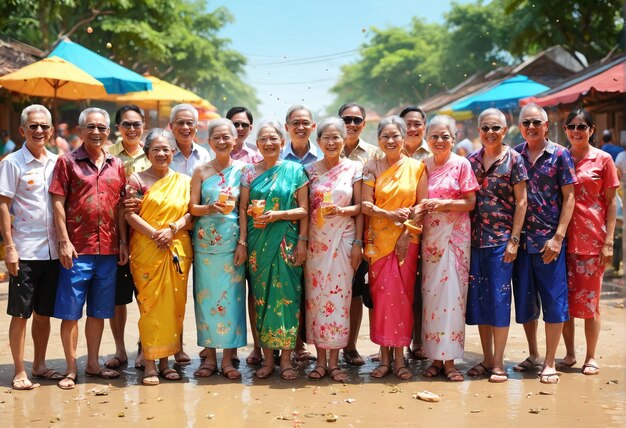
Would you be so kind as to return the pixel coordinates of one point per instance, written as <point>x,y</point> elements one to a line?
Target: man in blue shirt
<point>299,124</point>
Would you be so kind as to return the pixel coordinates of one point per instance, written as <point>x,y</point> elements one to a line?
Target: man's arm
<point>11,258</point>
<point>67,252</point>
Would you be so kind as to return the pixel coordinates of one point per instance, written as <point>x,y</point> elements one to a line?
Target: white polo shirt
<point>199,156</point>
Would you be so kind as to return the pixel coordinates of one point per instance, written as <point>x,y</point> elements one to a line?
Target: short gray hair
<point>35,108</point>
<point>156,133</point>
<point>332,121</point>
<point>492,112</point>
<point>91,110</point>
<point>443,120</point>
<point>533,106</point>
<point>397,121</point>
<point>271,123</point>
<point>296,108</point>
<point>221,122</point>
<point>184,107</point>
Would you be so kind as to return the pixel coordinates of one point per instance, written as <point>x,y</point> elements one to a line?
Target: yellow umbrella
<point>53,77</point>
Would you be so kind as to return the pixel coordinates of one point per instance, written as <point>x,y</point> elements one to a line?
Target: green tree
<point>176,40</point>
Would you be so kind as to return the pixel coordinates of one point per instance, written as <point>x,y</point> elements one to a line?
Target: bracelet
<point>242,243</point>
<point>358,243</point>
<point>303,238</point>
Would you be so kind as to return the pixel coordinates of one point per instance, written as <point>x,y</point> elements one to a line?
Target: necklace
<point>219,170</point>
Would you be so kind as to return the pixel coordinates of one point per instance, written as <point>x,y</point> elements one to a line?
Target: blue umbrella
<point>115,78</point>
<point>504,95</point>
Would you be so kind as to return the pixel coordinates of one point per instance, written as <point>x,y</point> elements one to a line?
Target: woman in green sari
<point>275,195</point>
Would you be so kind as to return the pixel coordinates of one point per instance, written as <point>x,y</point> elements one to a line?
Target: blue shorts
<point>92,278</point>
<point>489,292</point>
<point>537,284</point>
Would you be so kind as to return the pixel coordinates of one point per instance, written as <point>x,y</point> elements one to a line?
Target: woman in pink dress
<point>334,251</point>
<point>445,249</point>
<point>589,236</point>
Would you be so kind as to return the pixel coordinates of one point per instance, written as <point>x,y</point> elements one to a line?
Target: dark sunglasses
<point>352,119</point>
<point>35,126</point>
<point>579,127</point>
<point>536,123</point>
<point>494,128</point>
<point>128,125</point>
<point>243,125</point>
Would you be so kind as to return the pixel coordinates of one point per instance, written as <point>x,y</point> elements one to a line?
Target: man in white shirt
<point>184,124</point>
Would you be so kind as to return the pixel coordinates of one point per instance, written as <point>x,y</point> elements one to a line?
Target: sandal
<point>381,371</point>
<point>453,375</point>
<point>182,359</point>
<point>478,370</point>
<point>151,378</point>
<point>285,376</point>
<point>317,373</point>
<point>498,376</point>
<point>115,363</point>
<point>230,372</point>
<point>205,370</point>
<point>432,371</point>
<point>526,365</point>
<point>253,359</point>
<point>338,375</point>
<point>71,377</point>
<point>169,374</point>
<point>549,379</point>
<point>264,375</point>
<point>353,357</point>
<point>590,369</point>
<point>417,354</point>
<point>403,373</point>
<point>304,356</point>
<point>23,384</point>
<point>561,364</point>
<point>139,363</point>
<point>48,374</point>
<point>104,373</point>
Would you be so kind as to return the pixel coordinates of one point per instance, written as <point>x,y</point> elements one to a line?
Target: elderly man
<point>242,118</point>
<point>415,145</point>
<point>189,154</point>
<point>539,273</point>
<point>30,242</point>
<point>87,188</point>
<point>299,124</point>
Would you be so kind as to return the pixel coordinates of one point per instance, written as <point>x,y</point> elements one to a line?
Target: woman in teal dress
<point>219,254</point>
<point>277,234</point>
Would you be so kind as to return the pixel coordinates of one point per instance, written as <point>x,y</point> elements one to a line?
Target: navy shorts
<point>124,285</point>
<point>489,292</point>
<point>536,285</point>
<point>91,279</point>
<point>34,288</point>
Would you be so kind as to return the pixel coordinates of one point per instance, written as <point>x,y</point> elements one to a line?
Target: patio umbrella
<point>116,79</point>
<point>55,78</point>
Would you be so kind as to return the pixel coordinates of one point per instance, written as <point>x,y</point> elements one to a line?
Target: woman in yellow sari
<point>161,254</point>
<point>392,189</point>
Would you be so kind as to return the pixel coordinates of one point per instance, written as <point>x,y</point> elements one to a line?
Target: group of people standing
<point>302,224</point>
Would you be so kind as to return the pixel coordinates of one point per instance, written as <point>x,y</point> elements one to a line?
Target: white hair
<point>443,120</point>
<point>91,110</point>
<point>332,121</point>
<point>492,112</point>
<point>533,106</point>
<point>184,107</point>
<point>271,123</point>
<point>35,108</point>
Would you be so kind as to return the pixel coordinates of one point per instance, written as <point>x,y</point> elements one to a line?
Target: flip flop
<point>338,375</point>
<point>48,374</point>
<point>265,376</point>
<point>151,378</point>
<point>526,365</point>
<point>115,363</point>
<point>24,384</point>
<point>385,372</point>
<point>183,359</point>
<point>317,373</point>
<point>169,374</point>
<point>230,372</point>
<point>205,370</point>
<point>71,377</point>
<point>104,373</point>
<point>549,379</point>
<point>453,375</point>
<point>403,373</point>
<point>590,369</point>
<point>353,358</point>
<point>284,376</point>
<point>561,364</point>
<point>478,370</point>
<point>498,377</point>
<point>432,371</point>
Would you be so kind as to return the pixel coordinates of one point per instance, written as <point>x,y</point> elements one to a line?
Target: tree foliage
<point>176,40</point>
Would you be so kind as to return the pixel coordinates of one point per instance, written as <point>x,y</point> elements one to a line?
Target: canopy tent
<point>504,95</point>
<point>116,79</point>
<point>608,79</point>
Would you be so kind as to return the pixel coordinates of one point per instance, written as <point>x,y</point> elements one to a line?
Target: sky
<point>295,49</point>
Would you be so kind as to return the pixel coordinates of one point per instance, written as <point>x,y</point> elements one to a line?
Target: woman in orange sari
<point>393,187</point>
<point>161,254</point>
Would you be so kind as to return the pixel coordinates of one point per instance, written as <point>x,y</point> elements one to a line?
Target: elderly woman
<point>275,195</point>
<point>496,226</point>
<point>161,254</point>
<point>219,253</point>
<point>590,236</point>
<point>445,249</point>
<point>334,250</point>
<point>393,187</point>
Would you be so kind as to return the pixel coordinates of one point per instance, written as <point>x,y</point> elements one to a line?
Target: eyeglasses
<point>165,150</point>
<point>181,123</point>
<point>536,123</point>
<point>92,127</point>
<point>348,120</point>
<point>243,125</point>
<point>226,138</point>
<point>273,140</point>
<point>35,126</point>
<point>579,127</point>
<point>297,124</point>
<point>134,125</point>
<point>494,128</point>
<point>392,137</point>
<point>434,138</point>
<point>335,139</point>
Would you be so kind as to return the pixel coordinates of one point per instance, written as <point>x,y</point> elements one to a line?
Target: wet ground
<point>578,400</point>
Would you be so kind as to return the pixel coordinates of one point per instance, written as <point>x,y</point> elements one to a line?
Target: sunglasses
<point>536,123</point>
<point>134,125</point>
<point>579,127</point>
<point>92,127</point>
<point>352,119</point>
<point>35,126</point>
<point>243,125</point>
<point>494,128</point>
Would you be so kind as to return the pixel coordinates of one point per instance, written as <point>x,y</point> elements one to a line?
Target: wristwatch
<point>515,240</point>
<point>174,227</point>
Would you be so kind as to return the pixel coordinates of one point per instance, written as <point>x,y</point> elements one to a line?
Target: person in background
<point>608,145</point>
<point>8,145</point>
<point>30,243</point>
<point>590,237</point>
